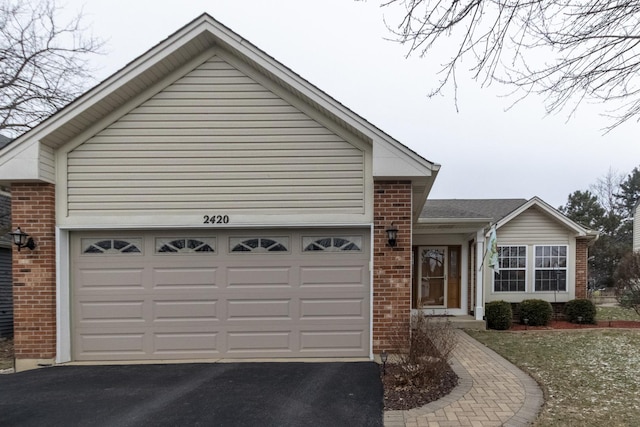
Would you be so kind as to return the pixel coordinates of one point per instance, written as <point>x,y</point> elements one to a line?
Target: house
<point>6,285</point>
<point>541,254</point>
<point>207,202</point>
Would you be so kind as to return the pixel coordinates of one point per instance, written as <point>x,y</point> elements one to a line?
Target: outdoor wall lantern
<point>22,239</point>
<point>392,235</point>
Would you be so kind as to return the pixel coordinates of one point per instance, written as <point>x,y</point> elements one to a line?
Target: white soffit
<point>389,161</point>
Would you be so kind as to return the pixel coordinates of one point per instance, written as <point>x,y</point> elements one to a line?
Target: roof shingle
<point>493,209</point>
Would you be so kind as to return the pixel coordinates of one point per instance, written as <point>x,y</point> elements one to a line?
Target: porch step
<point>462,322</point>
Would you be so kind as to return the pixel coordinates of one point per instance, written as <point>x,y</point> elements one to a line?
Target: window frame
<point>159,242</point>
<point>525,269</point>
<point>552,269</point>
<point>137,242</point>
<point>352,240</point>
<point>282,240</point>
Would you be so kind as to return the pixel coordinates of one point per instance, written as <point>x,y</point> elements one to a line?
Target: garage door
<point>152,295</point>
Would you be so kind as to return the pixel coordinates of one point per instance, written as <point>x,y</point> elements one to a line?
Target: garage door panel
<point>258,277</point>
<point>111,345</point>
<point>259,309</point>
<point>258,343</point>
<point>184,278</point>
<point>333,276</point>
<point>331,341</point>
<point>188,305</point>
<point>99,279</point>
<point>111,312</point>
<point>186,344</point>
<point>185,311</point>
<point>312,309</point>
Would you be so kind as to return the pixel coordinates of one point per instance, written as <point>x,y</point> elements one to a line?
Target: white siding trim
<point>21,162</point>
<point>63,297</point>
<point>371,249</point>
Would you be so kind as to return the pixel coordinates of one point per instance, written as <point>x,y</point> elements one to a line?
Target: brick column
<point>582,254</point>
<point>34,275</point>
<point>391,266</point>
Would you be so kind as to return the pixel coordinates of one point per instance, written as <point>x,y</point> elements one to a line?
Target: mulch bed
<point>563,324</point>
<point>405,397</point>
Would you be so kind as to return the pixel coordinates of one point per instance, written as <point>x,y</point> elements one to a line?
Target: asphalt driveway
<point>221,394</point>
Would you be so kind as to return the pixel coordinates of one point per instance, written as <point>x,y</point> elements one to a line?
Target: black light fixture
<point>22,239</point>
<point>383,357</point>
<point>392,235</point>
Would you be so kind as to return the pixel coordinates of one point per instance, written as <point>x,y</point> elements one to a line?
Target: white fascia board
<point>20,162</point>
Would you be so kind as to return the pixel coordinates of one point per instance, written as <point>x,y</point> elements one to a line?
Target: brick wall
<point>34,272</point>
<point>392,266</point>
<point>582,254</point>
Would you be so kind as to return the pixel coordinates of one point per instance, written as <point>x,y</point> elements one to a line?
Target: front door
<point>432,279</point>
<point>438,274</point>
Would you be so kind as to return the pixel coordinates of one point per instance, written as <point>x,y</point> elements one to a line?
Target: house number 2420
<point>216,219</point>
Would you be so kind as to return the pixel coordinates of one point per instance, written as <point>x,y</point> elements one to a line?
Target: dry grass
<point>590,377</point>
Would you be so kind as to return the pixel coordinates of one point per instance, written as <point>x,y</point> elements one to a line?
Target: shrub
<point>423,356</point>
<point>538,312</point>
<point>580,308</point>
<point>498,315</point>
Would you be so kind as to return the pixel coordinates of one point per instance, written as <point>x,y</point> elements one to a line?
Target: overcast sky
<point>340,46</point>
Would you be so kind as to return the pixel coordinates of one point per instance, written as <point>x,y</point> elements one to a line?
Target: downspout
<point>479,308</point>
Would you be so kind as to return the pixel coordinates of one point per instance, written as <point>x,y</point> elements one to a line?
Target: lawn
<point>590,377</point>
<point>616,313</point>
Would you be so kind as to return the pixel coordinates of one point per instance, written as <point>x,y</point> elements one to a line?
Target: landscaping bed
<point>563,324</point>
<point>400,396</point>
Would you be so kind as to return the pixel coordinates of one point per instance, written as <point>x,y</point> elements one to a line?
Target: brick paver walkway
<point>491,392</point>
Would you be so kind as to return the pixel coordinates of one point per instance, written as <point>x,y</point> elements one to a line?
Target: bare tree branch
<point>43,64</point>
<point>568,51</point>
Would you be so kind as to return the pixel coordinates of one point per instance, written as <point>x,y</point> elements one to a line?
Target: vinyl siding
<point>532,227</point>
<point>215,139</point>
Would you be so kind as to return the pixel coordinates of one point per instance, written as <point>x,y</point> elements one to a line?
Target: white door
<point>208,294</point>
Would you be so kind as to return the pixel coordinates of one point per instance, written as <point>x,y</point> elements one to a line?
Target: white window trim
<point>526,271</point>
<point>566,269</point>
